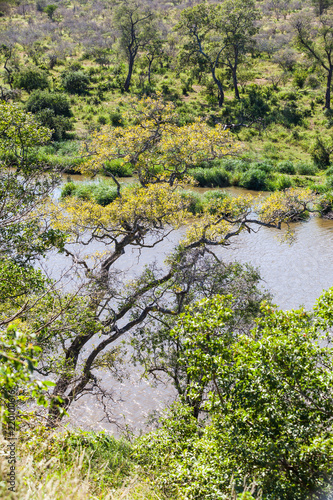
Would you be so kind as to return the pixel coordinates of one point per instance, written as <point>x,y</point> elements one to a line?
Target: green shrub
<point>321,152</point>
<point>195,201</point>
<point>103,193</point>
<point>119,168</point>
<point>232,164</point>
<point>210,196</point>
<point>102,120</point>
<point>68,189</point>
<point>52,110</point>
<point>291,114</point>
<point>306,169</point>
<point>116,119</point>
<point>75,82</point>
<point>286,167</point>
<point>56,101</point>
<point>83,192</point>
<point>265,166</point>
<point>31,79</point>
<point>286,95</point>
<point>325,204</point>
<point>312,82</point>
<point>50,10</point>
<point>59,124</point>
<point>329,182</point>
<point>255,179</point>
<point>211,177</point>
<point>300,77</point>
<point>283,182</point>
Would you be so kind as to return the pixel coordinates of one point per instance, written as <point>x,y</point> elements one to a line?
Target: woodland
<point>112,115</point>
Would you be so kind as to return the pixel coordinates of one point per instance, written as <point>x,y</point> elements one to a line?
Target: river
<point>295,274</point>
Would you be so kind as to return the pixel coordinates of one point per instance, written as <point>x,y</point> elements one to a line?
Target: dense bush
<point>31,79</point>
<point>116,119</point>
<point>300,77</point>
<point>52,110</point>
<point>211,177</point>
<point>282,182</point>
<point>306,169</point>
<point>256,105</point>
<point>75,82</point>
<point>286,167</point>
<point>321,152</point>
<point>269,405</point>
<point>59,124</point>
<point>256,179</point>
<point>118,168</point>
<point>56,101</point>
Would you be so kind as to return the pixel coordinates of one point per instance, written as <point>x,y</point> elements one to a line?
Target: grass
<point>75,465</point>
<point>101,192</point>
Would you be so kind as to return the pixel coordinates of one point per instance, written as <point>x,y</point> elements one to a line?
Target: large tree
<point>141,217</point>
<point>25,185</point>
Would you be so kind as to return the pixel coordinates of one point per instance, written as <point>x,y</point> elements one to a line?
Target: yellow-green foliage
<point>157,144</point>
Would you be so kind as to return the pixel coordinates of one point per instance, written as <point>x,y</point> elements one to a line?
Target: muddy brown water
<point>295,275</point>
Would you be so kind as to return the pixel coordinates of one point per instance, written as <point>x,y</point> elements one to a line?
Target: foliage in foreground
<point>81,465</point>
<point>269,405</point>
<point>74,465</point>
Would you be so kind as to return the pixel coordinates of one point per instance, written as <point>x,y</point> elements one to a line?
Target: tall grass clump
<point>211,177</point>
<point>255,179</point>
<point>102,192</point>
<point>74,465</point>
<point>118,168</point>
<point>306,169</point>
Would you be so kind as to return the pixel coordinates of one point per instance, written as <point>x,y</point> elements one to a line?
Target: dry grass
<point>49,480</point>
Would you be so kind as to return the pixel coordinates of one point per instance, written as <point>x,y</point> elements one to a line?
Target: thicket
<point>52,110</point>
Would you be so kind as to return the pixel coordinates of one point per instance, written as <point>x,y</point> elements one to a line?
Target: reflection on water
<point>295,275</point>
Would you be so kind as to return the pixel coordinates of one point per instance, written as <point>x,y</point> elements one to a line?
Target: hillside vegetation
<point>75,65</point>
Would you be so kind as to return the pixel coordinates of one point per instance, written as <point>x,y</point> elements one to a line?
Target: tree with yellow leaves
<point>142,216</point>
<point>157,148</point>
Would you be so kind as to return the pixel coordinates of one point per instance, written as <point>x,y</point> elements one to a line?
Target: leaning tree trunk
<point>129,74</point>
<point>234,73</point>
<point>328,88</point>
<point>235,82</point>
<point>220,87</point>
<point>150,62</point>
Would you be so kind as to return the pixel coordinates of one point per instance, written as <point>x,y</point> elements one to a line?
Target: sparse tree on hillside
<point>221,34</point>
<point>238,19</point>
<point>279,7</point>
<point>154,50</point>
<point>322,5</point>
<point>135,23</point>
<point>316,37</point>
